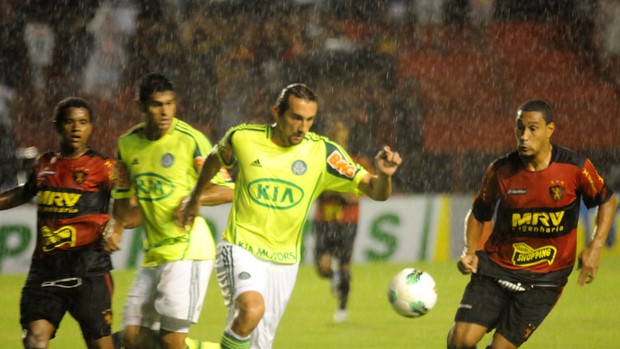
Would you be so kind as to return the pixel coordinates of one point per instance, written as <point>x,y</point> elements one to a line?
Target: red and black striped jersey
<point>536,213</point>
<point>73,197</point>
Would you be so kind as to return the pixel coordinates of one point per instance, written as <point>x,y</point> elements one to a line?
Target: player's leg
<point>480,308</point>
<point>465,335</point>
<point>280,279</point>
<point>92,309</point>
<point>242,281</point>
<point>322,254</point>
<point>41,310</point>
<point>526,312</point>
<point>139,314</point>
<point>182,286</point>
<point>344,253</point>
<point>37,334</point>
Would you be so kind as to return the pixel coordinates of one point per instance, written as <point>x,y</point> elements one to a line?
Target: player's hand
<point>111,237</point>
<point>467,264</point>
<point>387,161</point>
<point>588,263</point>
<point>186,213</point>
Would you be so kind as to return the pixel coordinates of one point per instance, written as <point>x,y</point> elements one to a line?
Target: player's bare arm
<point>14,197</point>
<point>468,262</point>
<point>590,257</point>
<point>379,187</point>
<point>209,169</point>
<point>215,195</point>
<point>121,213</point>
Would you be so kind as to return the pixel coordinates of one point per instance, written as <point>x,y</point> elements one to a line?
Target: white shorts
<point>169,296</point>
<point>239,271</point>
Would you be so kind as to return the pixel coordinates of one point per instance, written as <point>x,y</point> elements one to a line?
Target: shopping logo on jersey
<point>153,187</point>
<point>54,239</point>
<point>275,193</point>
<point>525,255</point>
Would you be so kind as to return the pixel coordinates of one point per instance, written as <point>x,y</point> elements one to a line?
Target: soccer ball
<point>412,292</point>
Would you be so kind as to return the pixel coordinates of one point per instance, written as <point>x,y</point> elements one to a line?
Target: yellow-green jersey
<point>276,186</point>
<point>160,173</point>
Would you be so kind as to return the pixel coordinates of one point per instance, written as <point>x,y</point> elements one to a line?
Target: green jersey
<point>276,186</point>
<point>160,174</point>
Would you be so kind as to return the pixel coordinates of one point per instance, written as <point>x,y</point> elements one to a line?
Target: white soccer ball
<point>412,292</point>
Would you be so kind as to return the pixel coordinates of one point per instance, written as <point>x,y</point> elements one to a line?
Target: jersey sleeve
<point>225,145</point>
<point>486,198</point>
<point>122,184</point>
<point>343,174</point>
<point>592,186</point>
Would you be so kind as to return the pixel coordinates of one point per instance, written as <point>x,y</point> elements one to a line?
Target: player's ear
<point>275,111</point>
<point>550,128</point>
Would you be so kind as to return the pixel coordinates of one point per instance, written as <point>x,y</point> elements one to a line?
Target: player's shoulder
<point>567,156</point>
<point>134,131</point>
<point>509,159</point>
<point>315,137</point>
<point>97,155</point>
<point>251,128</point>
<point>185,128</point>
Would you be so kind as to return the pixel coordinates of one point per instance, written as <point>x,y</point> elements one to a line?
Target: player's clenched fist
<point>387,161</point>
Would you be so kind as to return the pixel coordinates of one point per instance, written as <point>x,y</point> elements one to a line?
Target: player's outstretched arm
<point>379,187</point>
<point>590,257</point>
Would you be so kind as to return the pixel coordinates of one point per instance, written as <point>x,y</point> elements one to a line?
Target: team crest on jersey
<point>79,176</point>
<point>556,190</point>
<point>167,160</point>
<point>299,167</point>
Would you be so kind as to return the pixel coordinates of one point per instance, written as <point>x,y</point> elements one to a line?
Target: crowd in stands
<point>228,58</point>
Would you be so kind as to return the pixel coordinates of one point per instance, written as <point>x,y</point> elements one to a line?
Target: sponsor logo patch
<point>524,255</point>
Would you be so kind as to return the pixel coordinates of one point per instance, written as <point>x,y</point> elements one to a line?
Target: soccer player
<point>158,163</point>
<point>335,229</point>
<point>282,169</point>
<point>533,195</point>
<point>70,271</point>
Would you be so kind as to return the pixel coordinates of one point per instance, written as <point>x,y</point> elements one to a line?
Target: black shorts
<point>88,300</point>
<point>514,314</point>
<point>335,239</point>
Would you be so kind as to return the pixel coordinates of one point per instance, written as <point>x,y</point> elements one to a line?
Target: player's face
<point>533,133</point>
<point>295,122</point>
<point>75,128</point>
<point>160,109</point>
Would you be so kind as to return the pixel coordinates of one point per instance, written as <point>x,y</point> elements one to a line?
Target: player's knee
<point>323,266</point>
<point>457,341</point>
<point>136,337</point>
<point>251,306</point>
<point>37,334</point>
<point>36,340</point>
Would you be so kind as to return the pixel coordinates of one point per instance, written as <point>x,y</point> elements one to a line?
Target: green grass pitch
<point>583,318</point>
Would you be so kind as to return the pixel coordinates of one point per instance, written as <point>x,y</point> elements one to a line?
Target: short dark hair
<point>537,105</point>
<point>151,83</point>
<point>298,90</point>
<point>62,107</point>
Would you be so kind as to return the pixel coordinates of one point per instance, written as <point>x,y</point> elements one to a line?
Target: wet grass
<point>583,318</point>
